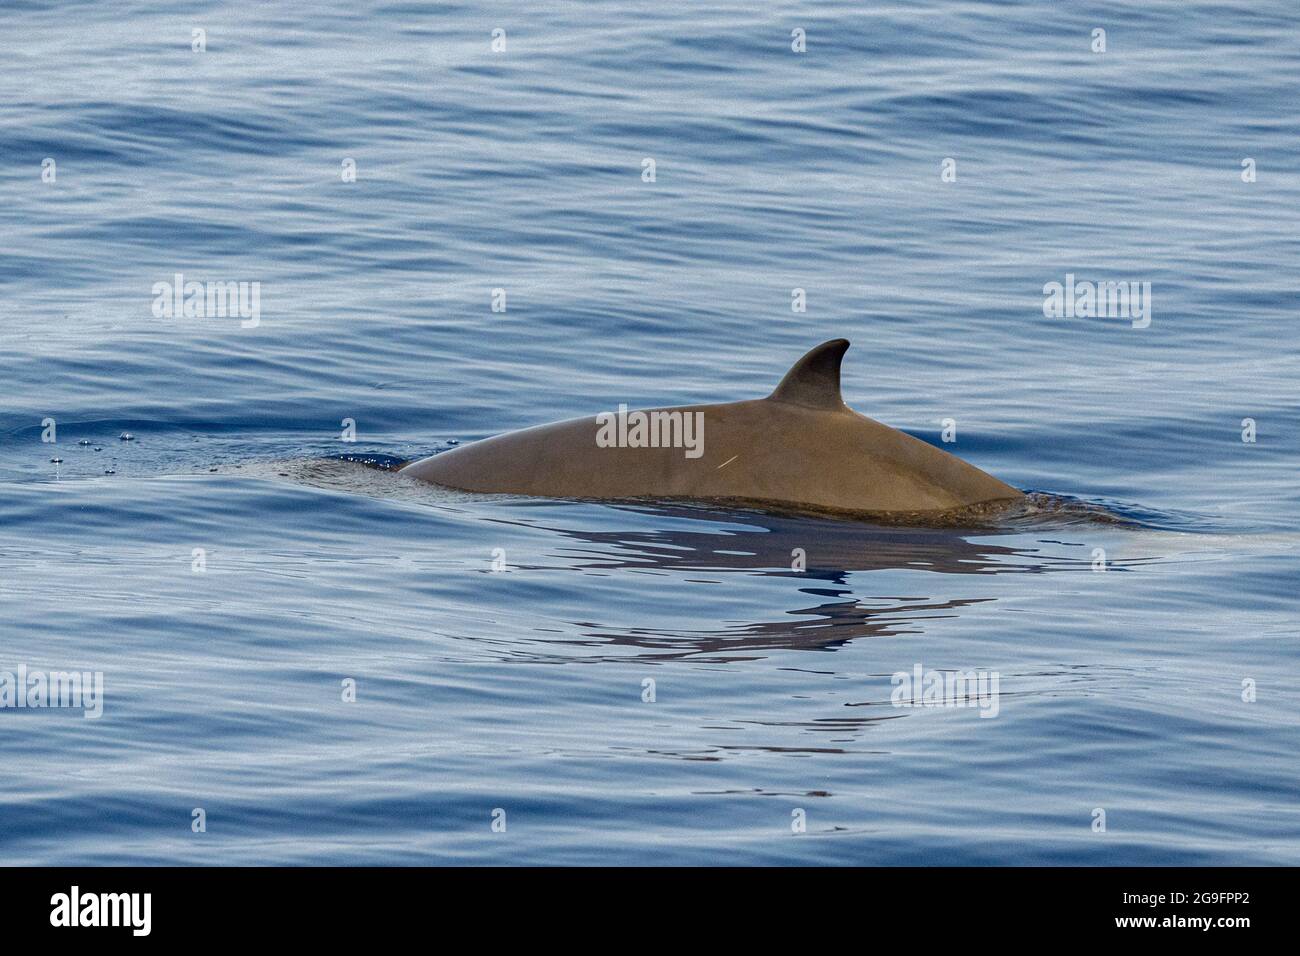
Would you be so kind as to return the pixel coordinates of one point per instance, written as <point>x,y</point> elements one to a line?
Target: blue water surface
<point>228,573</point>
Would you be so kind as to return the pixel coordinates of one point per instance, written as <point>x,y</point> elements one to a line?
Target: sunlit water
<point>522,689</point>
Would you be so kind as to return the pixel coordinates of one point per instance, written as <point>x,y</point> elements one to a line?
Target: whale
<point>799,449</point>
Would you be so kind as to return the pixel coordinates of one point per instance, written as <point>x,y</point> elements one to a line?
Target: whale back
<point>801,446</point>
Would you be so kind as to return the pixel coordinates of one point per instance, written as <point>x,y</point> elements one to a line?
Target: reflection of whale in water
<point>824,626</point>
<point>761,543</point>
<point>766,543</point>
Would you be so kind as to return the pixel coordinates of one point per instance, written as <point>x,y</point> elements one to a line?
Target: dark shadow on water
<point>724,541</point>
<point>771,544</point>
<point>825,626</point>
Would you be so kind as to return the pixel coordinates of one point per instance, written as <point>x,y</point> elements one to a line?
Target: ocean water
<point>231,566</point>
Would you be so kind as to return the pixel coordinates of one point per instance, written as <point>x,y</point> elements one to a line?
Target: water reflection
<point>823,626</point>
<point>770,543</point>
<point>704,544</point>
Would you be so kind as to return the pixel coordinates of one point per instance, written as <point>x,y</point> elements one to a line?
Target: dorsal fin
<point>814,380</point>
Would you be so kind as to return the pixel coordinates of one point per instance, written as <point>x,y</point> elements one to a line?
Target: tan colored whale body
<point>800,447</point>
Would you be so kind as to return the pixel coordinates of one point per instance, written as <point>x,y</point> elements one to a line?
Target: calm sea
<point>645,684</point>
